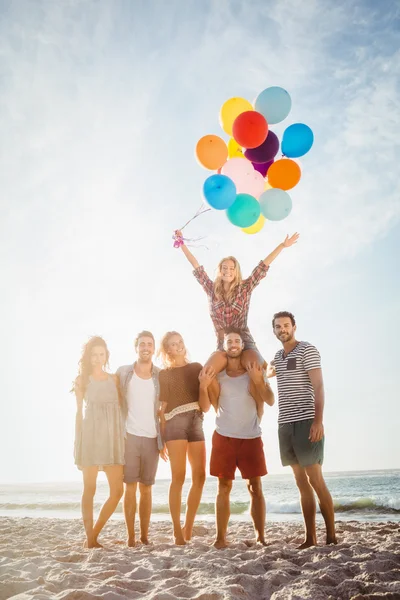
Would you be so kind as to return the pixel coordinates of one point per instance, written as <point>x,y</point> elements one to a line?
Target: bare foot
<point>145,541</point>
<point>92,544</point>
<point>220,544</point>
<point>332,540</point>
<point>179,540</point>
<point>186,534</point>
<point>307,544</point>
<point>130,542</point>
<point>262,542</point>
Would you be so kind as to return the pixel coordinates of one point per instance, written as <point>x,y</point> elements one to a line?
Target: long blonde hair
<point>163,350</point>
<point>219,285</point>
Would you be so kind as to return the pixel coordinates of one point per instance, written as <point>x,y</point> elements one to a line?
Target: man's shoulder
<point>306,346</point>
<point>124,369</point>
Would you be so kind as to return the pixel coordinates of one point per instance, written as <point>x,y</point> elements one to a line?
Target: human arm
<point>208,390</point>
<point>193,261</point>
<point>79,395</point>
<point>312,364</point>
<point>260,387</point>
<point>287,242</point>
<point>271,369</point>
<point>317,427</point>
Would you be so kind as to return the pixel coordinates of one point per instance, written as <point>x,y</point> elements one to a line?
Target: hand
<point>164,453</point>
<point>316,432</point>
<point>206,376</point>
<point>255,372</point>
<point>178,233</point>
<point>289,241</point>
<point>271,369</point>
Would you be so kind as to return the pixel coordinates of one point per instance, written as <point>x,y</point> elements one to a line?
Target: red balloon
<point>250,129</point>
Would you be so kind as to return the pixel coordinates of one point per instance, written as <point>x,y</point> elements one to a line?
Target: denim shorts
<point>185,426</point>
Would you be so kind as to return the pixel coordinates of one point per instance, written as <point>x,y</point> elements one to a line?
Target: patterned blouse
<point>234,313</point>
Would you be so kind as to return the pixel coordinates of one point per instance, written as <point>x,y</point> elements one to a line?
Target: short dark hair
<point>283,313</point>
<point>143,333</point>
<point>233,329</point>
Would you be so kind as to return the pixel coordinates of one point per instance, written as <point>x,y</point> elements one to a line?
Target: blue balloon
<point>297,140</point>
<point>244,211</point>
<point>275,204</point>
<point>219,191</point>
<point>274,104</point>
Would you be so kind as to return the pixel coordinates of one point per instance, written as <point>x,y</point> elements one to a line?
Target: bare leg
<point>257,508</point>
<point>222,511</point>
<point>308,506</point>
<point>89,490</point>
<point>145,511</point>
<point>218,361</point>
<point>197,459</point>
<point>248,357</point>
<point>177,450</point>
<point>325,501</point>
<point>115,475</point>
<point>130,511</point>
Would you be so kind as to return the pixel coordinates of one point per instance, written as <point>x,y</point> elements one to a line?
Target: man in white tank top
<point>236,442</point>
<point>140,392</point>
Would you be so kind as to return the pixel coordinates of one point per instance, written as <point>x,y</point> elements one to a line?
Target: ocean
<point>361,495</point>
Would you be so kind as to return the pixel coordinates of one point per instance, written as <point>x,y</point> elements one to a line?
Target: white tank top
<point>237,410</point>
<point>141,396</point>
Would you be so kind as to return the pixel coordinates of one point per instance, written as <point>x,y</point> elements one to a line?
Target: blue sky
<point>102,104</point>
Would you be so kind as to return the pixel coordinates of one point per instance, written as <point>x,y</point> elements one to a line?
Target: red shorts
<point>228,453</point>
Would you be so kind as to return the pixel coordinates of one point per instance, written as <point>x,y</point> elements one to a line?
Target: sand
<point>44,558</point>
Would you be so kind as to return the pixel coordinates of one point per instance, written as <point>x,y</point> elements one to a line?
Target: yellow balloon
<point>231,109</point>
<point>267,186</point>
<point>256,227</point>
<point>234,150</point>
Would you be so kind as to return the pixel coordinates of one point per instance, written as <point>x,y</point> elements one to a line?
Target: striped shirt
<point>295,392</point>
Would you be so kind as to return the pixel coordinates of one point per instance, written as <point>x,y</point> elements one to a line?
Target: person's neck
<point>143,366</point>
<point>288,346</point>
<point>97,372</point>
<point>226,286</point>
<point>179,361</point>
<point>234,365</point>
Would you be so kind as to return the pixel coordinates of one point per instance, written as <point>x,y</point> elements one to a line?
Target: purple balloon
<point>263,167</point>
<point>266,152</point>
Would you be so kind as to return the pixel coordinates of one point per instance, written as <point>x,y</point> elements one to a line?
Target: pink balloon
<point>238,169</point>
<point>250,183</point>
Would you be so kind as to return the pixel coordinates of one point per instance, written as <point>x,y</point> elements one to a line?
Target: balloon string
<point>200,211</point>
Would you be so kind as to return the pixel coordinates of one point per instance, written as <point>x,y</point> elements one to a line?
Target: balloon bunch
<point>250,184</point>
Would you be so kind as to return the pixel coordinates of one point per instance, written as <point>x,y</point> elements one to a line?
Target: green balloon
<point>275,204</point>
<point>244,211</point>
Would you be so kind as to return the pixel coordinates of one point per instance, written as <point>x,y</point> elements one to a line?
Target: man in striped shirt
<point>301,432</point>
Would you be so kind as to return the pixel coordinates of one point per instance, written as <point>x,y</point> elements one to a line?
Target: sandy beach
<point>44,558</point>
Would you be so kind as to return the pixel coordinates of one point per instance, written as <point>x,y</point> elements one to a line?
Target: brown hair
<point>283,313</point>
<point>163,350</point>
<point>85,367</point>
<point>218,283</point>
<point>143,333</point>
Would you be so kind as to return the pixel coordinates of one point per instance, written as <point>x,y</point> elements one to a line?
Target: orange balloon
<point>284,174</point>
<point>211,152</point>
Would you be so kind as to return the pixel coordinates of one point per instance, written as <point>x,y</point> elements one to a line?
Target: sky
<point>101,106</point>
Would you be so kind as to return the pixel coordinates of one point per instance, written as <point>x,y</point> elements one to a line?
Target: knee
<point>302,481</point>
<point>224,487</point>
<point>316,481</point>
<point>117,492</point>
<point>178,479</point>
<point>199,478</point>
<point>89,490</point>
<point>145,490</point>
<point>255,488</point>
